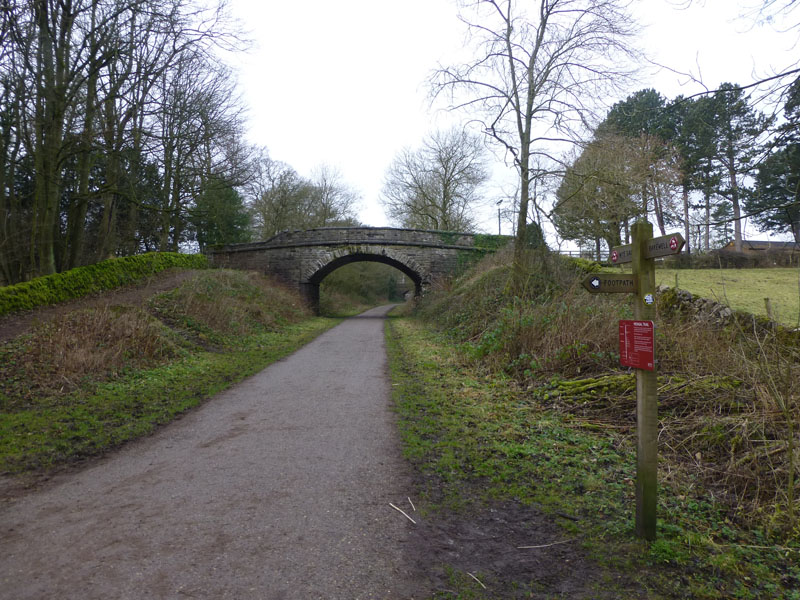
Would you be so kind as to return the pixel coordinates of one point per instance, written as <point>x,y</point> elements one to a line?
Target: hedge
<point>105,275</point>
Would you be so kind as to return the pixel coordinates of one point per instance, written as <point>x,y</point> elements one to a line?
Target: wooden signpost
<point>637,350</point>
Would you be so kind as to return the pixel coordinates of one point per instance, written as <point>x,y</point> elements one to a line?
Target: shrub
<point>583,265</point>
<point>97,343</point>
<point>105,275</point>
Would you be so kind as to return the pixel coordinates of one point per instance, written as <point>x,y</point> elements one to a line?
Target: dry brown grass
<point>222,305</point>
<point>213,308</point>
<point>93,343</point>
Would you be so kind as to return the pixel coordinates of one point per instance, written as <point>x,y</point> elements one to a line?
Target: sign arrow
<point>656,247</point>
<point>610,283</point>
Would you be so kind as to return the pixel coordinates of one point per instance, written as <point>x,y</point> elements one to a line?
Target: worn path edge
<point>278,488</point>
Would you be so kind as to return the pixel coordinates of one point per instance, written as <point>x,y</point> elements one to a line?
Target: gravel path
<point>276,489</point>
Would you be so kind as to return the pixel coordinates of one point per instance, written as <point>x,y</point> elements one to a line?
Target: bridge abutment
<point>310,293</point>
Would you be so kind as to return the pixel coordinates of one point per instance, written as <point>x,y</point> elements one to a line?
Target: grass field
<point>742,289</point>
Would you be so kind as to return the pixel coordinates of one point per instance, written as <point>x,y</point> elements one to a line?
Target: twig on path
<point>404,513</point>
<point>566,516</point>
<point>414,508</point>
<point>478,580</point>
<point>544,545</point>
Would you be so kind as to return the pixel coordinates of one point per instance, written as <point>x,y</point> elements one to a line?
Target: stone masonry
<point>304,258</point>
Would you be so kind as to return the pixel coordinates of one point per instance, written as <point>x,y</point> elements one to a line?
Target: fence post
<point>646,390</point>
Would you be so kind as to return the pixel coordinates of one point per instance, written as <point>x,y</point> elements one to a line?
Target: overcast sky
<point>343,82</point>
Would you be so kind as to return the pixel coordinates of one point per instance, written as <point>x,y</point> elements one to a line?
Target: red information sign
<point>637,344</point>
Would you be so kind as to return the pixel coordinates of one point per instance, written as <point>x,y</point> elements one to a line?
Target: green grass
<point>94,378</point>
<point>101,416</point>
<point>741,289</point>
<point>478,438</point>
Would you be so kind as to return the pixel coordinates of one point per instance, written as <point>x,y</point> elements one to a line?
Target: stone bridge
<point>304,258</point>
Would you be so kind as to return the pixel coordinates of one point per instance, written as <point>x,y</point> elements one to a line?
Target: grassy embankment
<point>741,289</point>
<point>95,378</point>
<point>523,400</point>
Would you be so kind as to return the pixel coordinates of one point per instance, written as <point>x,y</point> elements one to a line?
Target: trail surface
<point>276,489</point>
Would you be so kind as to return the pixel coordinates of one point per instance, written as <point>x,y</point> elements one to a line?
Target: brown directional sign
<point>606,283</point>
<point>660,246</point>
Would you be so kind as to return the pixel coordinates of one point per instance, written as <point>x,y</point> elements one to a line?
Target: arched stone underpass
<point>310,285</point>
<point>304,258</point>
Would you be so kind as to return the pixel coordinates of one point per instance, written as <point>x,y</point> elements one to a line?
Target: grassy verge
<point>480,437</point>
<point>741,289</point>
<point>94,379</point>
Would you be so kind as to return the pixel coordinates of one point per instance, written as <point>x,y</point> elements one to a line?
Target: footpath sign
<point>606,283</point>
<point>637,350</point>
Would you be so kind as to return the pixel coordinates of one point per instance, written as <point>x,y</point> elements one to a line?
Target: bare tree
<point>615,180</point>
<point>536,77</point>
<point>280,199</point>
<point>333,201</point>
<point>437,185</point>
<point>82,93</point>
<point>277,196</point>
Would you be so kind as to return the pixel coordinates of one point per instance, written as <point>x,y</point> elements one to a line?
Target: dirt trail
<point>276,489</point>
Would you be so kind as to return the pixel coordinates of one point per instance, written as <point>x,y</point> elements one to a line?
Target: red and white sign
<point>614,256</point>
<point>673,243</point>
<point>637,344</point>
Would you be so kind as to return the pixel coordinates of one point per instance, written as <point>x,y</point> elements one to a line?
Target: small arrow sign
<point>660,246</point>
<point>608,283</point>
<point>621,254</point>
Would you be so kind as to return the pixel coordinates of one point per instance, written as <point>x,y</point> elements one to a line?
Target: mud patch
<point>490,543</point>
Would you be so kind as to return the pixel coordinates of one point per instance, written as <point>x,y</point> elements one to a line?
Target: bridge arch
<point>327,264</point>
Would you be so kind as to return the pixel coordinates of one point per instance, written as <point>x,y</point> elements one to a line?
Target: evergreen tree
<point>775,203</point>
<point>738,129</point>
<point>220,217</point>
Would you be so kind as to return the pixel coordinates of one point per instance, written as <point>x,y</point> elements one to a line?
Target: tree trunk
<point>686,225</point>
<point>708,221</point>
<point>106,234</point>
<point>657,208</point>
<point>76,219</point>
<point>737,211</point>
<point>521,241</point>
<point>76,214</point>
<point>12,228</point>
<point>52,70</point>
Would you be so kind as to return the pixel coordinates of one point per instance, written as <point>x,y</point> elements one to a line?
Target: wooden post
<point>646,390</point>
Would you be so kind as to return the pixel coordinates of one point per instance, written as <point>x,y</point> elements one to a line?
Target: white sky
<point>342,82</point>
